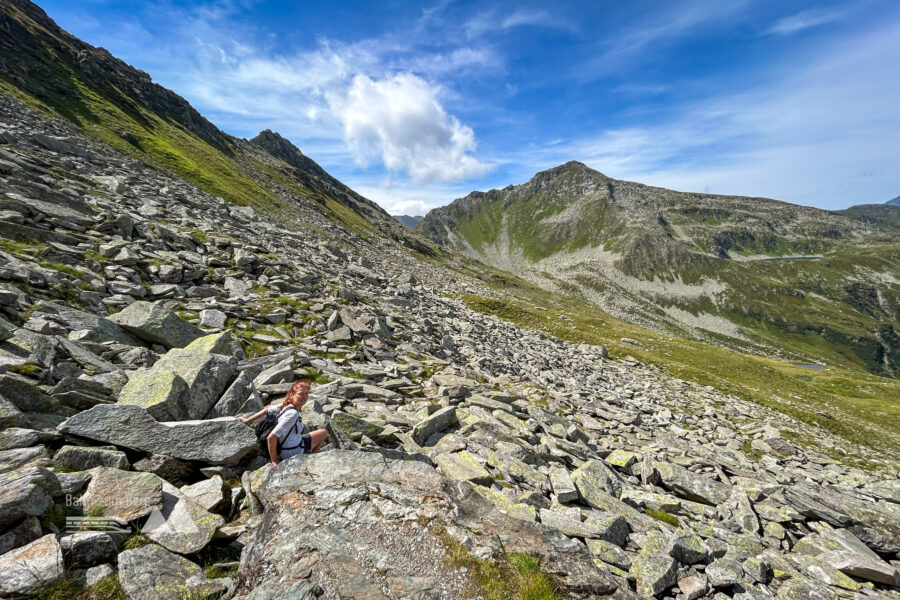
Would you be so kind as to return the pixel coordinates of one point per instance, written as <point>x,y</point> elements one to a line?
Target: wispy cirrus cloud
<point>815,132</point>
<point>805,19</point>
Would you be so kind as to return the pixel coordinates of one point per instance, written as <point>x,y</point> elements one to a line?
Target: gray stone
<point>155,324</point>
<point>217,441</point>
<point>153,573</point>
<point>121,494</point>
<point>24,457</point>
<point>724,572</point>
<point>439,421</point>
<point>241,397</point>
<point>462,466</point>
<point>7,329</point>
<point>208,494</point>
<point>26,492</point>
<point>609,553</point>
<point>593,477</point>
<point>204,373</point>
<point>181,525</point>
<point>692,486</point>
<point>653,569</point>
<point>693,587</point>
<point>82,458</point>
<point>562,485</point>
<point>689,550</point>
<point>95,575</point>
<point>342,527</point>
<point>211,317</point>
<point>31,568</point>
<point>88,548</point>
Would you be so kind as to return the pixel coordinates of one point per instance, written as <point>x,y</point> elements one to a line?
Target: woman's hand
<point>244,420</point>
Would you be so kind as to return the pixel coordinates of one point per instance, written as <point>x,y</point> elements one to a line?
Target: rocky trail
<point>140,316</point>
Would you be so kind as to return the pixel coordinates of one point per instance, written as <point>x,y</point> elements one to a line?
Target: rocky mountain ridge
<point>749,273</point>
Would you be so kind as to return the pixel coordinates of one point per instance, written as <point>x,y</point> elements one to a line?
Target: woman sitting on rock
<point>288,438</point>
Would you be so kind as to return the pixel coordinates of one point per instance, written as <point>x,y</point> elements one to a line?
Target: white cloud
<point>495,20</point>
<point>400,121</point>
<point>805,19</point>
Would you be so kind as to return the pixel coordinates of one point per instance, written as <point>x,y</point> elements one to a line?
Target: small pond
<point>806,366</point>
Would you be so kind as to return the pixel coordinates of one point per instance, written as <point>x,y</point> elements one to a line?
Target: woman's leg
<point>318,438</point>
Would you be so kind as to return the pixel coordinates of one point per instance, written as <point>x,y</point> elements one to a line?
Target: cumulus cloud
<point>399,120</point>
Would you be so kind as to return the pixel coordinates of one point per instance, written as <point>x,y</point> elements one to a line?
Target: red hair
<point>300,383</point>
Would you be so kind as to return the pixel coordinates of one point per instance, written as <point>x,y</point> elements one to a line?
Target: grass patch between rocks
<point>514,576</point>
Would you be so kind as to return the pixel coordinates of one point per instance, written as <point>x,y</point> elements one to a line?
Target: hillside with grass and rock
<point>751,274</point>
<point>471,454</point>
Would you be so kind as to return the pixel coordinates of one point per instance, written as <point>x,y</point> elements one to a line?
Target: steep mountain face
<point>408,220</point>
<point>747,272</point>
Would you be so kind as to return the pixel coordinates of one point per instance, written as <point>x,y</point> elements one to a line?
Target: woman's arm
<point>272,442</point>
<point>254,417</point>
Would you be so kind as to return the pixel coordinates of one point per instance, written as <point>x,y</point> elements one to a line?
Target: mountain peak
<point>894,202</point>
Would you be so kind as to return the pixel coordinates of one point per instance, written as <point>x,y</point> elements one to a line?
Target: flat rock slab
<point>692,486</point>
<point>217,441</point>
<point>153,323</point>
<point>31,568</point>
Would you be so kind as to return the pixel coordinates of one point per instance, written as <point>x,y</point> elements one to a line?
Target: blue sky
<point>415,104</point>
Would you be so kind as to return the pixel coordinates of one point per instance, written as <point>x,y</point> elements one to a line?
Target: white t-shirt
<point>288,435</point>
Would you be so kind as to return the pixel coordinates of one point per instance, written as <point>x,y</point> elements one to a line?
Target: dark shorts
<point>304,447</point>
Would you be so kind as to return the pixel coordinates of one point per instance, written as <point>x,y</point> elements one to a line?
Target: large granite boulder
<point>223,441</point>
<point>328,516</point>
<point>186,382</point>
<point>153,323</point>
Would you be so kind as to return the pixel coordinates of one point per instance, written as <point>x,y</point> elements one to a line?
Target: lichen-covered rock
<point>439,421</point>
<point>181,525</point>
<point>327,507</point>
<point>654,570</point>
<point>82,458</point>
<point>594,478</point>
<point>186,382</point>
<point>698,488</point>
<point>217,441</point>
<point>122,494</point>
<point>462,466</point>
<point>153,323</point>
<point>161,392</point>
<point>153,573</point>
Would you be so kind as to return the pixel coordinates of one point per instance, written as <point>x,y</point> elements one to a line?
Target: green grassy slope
<point>847,401</point>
